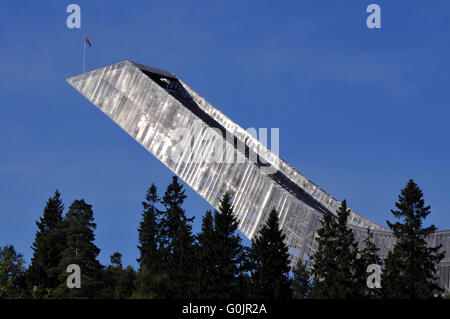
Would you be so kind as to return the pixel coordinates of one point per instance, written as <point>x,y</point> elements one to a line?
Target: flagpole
<point>84,53</point>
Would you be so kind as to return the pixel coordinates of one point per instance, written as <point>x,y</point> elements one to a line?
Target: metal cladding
<point>152,104</point>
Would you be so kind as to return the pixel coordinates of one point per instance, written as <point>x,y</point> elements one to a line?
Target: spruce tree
<point>178,244</point>
<point>269,261</point>
<point>119,282</point>
<point>367,256</point>
<point>229,252</point>
<point>12,274</point>
<point>48,246</point>
<point>151,259</point>
<point>411,266</point>
<point>81,250</point>
<point>335,266</point>
<point>116,260</point>
<point>324,259</point>
<point>206,254</point>
<point>149,232</point>
<point>301,281</point>
<point>221,254</point>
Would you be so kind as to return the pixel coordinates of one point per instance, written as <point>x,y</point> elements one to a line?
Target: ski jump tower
<point>151,105</point>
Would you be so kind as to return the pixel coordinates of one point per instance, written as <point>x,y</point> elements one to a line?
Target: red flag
<point>87,41</point>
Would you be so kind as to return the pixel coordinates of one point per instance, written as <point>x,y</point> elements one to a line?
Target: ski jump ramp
<point>152,106</point>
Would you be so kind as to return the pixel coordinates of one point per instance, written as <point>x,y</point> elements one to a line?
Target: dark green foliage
<point>177,247</point>
<point>335,259</point>
<point>151,260</point>
<point>411,266</point>
<point>79,226</point>
<point>269,262</point>
<point>301,281</point>
<point>12,273</point>
<point>149,232</point>
<point>229,251</point>
<point>174,215</point>
<point>368,256</point>
<point>116,259</point>
<point>206,252</point>
<point>48,246</point>
<point>150,285</point>
<point>221,254</point>
<point>119,282</point>
<point>173,264</point>
<point>52,216</point>
<point>325,258</point>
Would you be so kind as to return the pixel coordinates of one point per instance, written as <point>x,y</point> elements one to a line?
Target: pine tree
<point>116,260</point>
<point>119,282</point>
<point>411,266</point>
<point>150,241</point>
<point>206,254</point>
<point>229,251</point>
<point>48,246</point>
<point>149,232</point>
<point>221,254</point>
<point>178,244</point>
<point>301,281</point>
<point>368,256</point>
<point>12,274</point>
<point>324,259</point>
<point>81,250</point>
<point>335,259</point>
<point>269,261</point>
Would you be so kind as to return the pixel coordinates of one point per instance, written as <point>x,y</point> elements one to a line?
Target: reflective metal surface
<point>151,104</point>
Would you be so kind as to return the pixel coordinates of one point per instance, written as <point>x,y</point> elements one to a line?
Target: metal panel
<point>150,104</point>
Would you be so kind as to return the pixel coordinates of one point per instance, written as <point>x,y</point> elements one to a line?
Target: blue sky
<point>360,111</point>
